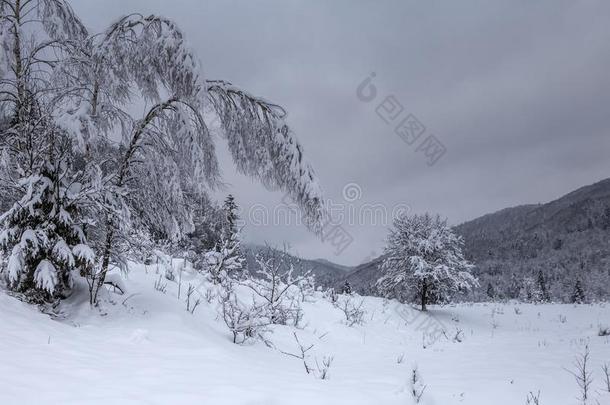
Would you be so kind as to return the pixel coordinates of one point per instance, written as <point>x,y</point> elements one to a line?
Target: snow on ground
<point>143,347</point>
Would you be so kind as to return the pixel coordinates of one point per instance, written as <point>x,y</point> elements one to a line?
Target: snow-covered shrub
<point>226,259</point>
<point>306,287</point>
<point>275,285</point>
<point>424,258</point>
<point>351,308</point>
<point>331,295</point>
<point>244,321</point>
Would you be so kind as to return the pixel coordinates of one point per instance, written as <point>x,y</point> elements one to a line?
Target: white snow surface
<point>143,347</point>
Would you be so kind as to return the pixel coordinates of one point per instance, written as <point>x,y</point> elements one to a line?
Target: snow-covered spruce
<point>424,260</point>
<point>43,238</point>
<point>224,260</point>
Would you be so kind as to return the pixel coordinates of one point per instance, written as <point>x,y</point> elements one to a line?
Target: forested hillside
<point>522,250</point>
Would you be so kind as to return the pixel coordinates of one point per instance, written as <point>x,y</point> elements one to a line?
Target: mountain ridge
<point>565,239</point>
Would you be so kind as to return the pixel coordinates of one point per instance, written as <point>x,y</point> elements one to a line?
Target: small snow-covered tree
<point>207,229</point>
<point>230,208</point>
<point>542,288</point>
<point>351,308</point>
<point>424,253</point>
<point>491,291</point>
<point>347,288</point>
<point>274,283</point>
<point>43,237</point>
<point>223,260</point>
<point>243,321</point>
<point>578,295</point>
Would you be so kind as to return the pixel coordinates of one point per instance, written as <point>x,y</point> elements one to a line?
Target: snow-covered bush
<point>223,261</point>
<point>331,295</point>
<point>274,284</point>
<point>245,321</point>
<point>351,308</point>
<point>424,258</point>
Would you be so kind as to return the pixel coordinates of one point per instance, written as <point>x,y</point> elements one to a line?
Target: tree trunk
<point>18,66</point>
<point>123,171</point>
<point>105,262</point>
<point>424,295</point>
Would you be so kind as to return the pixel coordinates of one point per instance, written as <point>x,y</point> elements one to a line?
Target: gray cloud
<point>517,91</point>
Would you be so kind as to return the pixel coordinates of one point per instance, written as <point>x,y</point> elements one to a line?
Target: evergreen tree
<point>491,292</point>
<point>542,288</point>
<point>231,214</point>
<point>42,238</point>
<point>347,288</point>
<point>224,260</point>
<point>208,225</point>
<point>231,229</point>
<point>578,296</point>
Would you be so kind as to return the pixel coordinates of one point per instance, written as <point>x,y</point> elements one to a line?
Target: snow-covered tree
<point>208,220</point>
<point>43,236</point>
<point>347,288</point>
<point>423,253</point>
<point>578,295</point>
<point>491,291</point>
<point>244,321</point>
<point>274,283</point>
<point>224,260</point>
<point>152,166</point>
<point>541,285</point>
<point>231,211</point>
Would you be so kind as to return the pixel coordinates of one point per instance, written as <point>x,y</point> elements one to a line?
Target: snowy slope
<point>143,347</point>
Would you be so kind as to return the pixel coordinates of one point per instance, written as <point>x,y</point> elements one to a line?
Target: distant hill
<point>567,239</point>
<point>324,271</point>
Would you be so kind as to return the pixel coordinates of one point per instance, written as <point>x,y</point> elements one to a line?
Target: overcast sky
<point>518,92</point>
